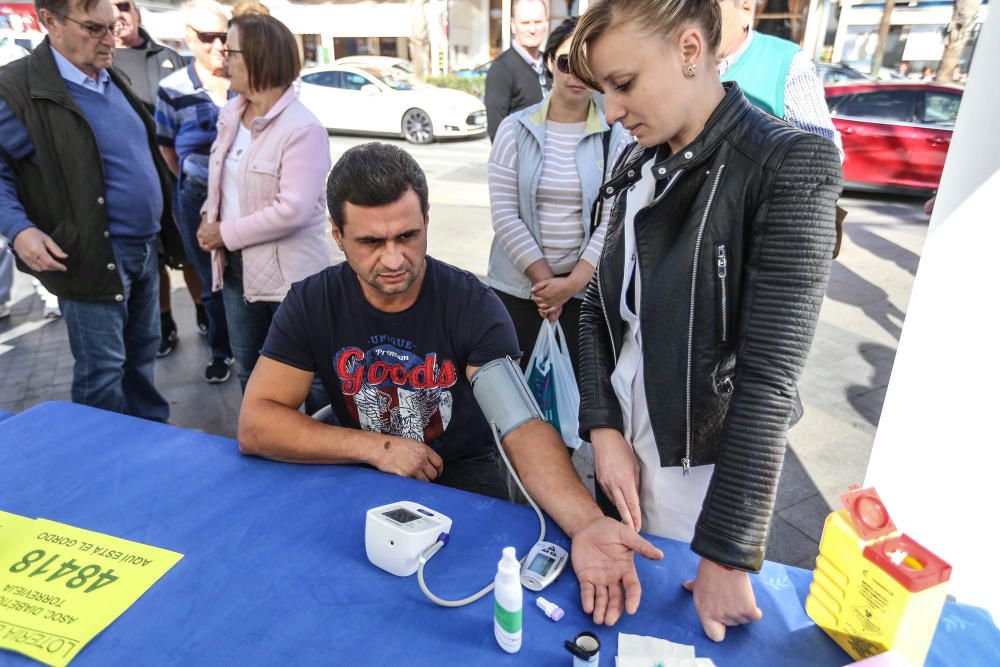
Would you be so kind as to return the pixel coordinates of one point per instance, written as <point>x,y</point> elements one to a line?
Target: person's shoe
<point>51,311</point>
<point>217,372</point>
<point>201,318</point>
<point>168,337</point>
<point>4,310</point>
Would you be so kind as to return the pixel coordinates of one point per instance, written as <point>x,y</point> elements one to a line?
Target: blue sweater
<point>132,187</point>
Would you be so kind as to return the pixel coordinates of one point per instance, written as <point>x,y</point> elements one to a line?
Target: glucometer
<point>542,565</point>
<point>398,533</point>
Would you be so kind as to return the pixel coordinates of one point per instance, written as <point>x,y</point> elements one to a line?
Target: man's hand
<point>39,251</point>
<point>407,458</point>
<point>617,471</point>
<point>605,567</point>
<point>209,235</point>
<point>723,598</point>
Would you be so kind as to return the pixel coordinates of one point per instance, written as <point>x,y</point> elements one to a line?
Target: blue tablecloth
<point>274,568</point>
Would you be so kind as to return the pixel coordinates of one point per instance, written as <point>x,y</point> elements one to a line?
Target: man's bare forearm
<point>541,461</point>
<point>275,431</point>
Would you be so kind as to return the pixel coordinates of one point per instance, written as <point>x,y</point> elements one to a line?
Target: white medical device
<point>398,533</point>
<point>401,537</point>
<point>542,565</point>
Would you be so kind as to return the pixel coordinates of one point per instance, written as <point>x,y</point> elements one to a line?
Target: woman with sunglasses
<point>696,327</point>
<point>545,172</point>
<point>264,217</point>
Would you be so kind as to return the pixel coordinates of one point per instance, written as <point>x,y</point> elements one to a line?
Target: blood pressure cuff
<point>503,395</point>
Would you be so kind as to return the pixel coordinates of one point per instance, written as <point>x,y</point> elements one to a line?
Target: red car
<point>896,135</point>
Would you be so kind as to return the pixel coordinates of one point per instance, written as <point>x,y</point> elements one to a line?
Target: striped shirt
<point>185,121</point>
<point>559,202</point>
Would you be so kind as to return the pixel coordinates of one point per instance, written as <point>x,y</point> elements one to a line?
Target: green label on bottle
<point>510,621</point>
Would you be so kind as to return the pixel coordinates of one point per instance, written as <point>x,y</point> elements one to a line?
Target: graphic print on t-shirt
<point>391,389</point>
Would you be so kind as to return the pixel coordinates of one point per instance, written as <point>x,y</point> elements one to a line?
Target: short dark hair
<point>269,51</point>
<point>61,7</point>
<point>557,37</point>
<point>373,174</point>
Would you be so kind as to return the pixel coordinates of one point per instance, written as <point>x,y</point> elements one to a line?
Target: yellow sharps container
<point>874,588</point>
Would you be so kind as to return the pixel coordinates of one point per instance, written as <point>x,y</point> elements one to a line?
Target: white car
<point>388,101</point>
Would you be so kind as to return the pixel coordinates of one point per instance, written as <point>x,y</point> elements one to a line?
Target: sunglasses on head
<point>562,63</point>
<point>210,37</point>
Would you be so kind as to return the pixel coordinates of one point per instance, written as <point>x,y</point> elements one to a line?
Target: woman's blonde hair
<point>659,17</point>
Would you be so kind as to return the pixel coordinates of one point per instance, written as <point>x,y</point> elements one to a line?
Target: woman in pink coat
<point>264,218</point>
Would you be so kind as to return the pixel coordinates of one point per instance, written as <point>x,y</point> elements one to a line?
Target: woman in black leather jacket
<point>700,316</point>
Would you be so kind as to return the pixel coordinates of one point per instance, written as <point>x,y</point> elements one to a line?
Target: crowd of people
<point>680,228</point>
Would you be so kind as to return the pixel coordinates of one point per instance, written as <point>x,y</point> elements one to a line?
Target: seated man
<point>397,338</point>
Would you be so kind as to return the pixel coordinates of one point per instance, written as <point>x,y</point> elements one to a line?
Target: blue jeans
<point>248,322</point>
<point>188,199</point>
<point>114,342</point>
<point>248,327</point>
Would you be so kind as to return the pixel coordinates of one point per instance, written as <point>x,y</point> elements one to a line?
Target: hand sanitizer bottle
<point>507,602</point>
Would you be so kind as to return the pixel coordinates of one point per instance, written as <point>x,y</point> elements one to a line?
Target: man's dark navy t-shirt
<point>402,373</point>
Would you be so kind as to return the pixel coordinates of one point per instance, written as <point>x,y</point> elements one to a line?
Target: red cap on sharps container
<point>905,560</point>
<point>867,513</point>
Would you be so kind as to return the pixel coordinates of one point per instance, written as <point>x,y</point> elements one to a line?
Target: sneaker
<point>4,310</point>
<point>168,338</point>
<point>217,372</point>
<point>201,318</point>
<point>51,311</point>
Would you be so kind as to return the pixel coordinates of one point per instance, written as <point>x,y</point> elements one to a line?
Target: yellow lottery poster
<point>60,586</point>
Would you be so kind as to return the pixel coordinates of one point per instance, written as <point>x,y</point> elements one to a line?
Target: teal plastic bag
<point>550,378</point>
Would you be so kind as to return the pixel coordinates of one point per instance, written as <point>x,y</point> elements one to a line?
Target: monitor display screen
<point>400,515</point>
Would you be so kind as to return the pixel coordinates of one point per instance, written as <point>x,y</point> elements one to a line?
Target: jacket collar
<point>731,109</point>
<point>233,113</point>
<point>536,119</point>
<point>44,80</point>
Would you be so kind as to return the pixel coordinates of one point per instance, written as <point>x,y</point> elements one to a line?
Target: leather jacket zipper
<point>722,272</point>
<point>686,461</point>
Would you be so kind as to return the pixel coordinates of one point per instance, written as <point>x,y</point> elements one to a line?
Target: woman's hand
<point>617,471</point>
<point>550,314</point>
<point>552,292</point>
<point>210,236</point>
<point>723,598</point>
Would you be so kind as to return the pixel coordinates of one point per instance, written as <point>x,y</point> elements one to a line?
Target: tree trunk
<point>883,37</point>
<point>419,39</point>
<point>956,35</point>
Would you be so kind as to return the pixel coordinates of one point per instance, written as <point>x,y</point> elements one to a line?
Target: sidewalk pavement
<point>842,388</point>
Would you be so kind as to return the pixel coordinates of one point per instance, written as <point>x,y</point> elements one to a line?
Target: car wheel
<point>417,128</point>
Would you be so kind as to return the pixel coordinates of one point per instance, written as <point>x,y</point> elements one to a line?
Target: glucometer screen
<point>541,564</point>
<point>400,515</point>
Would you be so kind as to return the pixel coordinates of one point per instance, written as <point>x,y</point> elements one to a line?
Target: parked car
<point>378,62</point>
<point>895,135</point>
<point>482,70</point>
<point>836,72</point>
<point>389,101</point>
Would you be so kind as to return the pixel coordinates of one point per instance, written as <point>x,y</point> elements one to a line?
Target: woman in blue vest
<point>696,326</point>
<point>545,171</point>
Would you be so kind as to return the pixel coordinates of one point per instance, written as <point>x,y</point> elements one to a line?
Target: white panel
<point>936,458</point>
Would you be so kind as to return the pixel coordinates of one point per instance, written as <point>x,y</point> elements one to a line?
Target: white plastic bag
<point>550,376</point>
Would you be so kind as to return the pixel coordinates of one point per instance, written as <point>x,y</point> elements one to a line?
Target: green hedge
<point>474,85</point>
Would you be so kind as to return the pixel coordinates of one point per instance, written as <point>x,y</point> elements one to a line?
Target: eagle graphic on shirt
<point>392,390</point>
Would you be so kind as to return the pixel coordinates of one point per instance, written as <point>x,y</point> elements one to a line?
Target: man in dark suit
<point>517,77</point>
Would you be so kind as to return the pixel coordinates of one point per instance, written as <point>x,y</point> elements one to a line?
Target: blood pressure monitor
<point>396,534</point>
<point>542,565</point>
